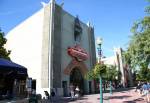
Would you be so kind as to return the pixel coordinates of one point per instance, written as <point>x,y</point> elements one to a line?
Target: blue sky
<point>112,19</point>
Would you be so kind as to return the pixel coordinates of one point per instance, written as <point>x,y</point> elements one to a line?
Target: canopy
<point>7,66</point>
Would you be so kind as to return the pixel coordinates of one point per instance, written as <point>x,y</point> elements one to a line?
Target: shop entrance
<point>6,85</point>
<point>76,79</point>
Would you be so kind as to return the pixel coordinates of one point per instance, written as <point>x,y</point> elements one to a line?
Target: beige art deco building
<point>118,60</point>
<point>56,47</point>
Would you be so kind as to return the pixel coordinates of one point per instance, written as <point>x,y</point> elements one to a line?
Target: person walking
<point>148,85</point>
<point>139,87</point>
<point>72,91</point>
<point>77,92</point>
<point>145,89</point>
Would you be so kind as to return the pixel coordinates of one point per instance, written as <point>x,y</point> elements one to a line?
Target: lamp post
<point>99,43</point>
<point>110,88</point>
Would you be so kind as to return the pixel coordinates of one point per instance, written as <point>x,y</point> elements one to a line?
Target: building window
<point>77,31</point>
<point>77,37</point>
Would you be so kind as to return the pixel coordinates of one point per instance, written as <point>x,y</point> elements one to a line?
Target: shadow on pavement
<point>82,98</point>
<point>129,102</point>
<point>116,97</point>
<point>135,100</point>
<point>119,90</point>
<point>67,100</point>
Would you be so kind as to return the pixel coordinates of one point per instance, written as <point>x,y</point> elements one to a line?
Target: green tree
<point>138,52</point>
<point>111,73</point>
<point>143,74</point>
<point>147,9</point>
<point>139,47</point>
<point>3,52</point>
<point>98,70</point>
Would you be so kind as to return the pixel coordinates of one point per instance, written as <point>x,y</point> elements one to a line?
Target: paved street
<point>128,96</point>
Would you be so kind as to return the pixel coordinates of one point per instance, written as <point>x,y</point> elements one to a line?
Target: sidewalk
<point>129,96</point>
<point>119,96</point>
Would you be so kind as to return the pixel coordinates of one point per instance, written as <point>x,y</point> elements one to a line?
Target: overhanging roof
<point>7,65</point>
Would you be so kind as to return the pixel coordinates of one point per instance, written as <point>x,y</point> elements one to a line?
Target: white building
<point>118,60</point>
<point>56,47</point>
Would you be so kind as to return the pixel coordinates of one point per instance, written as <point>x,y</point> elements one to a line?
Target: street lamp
<point>99,43</point>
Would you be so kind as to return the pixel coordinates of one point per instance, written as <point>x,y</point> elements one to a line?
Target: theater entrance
<point>76,79</point>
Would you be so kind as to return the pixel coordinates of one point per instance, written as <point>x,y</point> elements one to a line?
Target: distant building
<point>118,60</point>
<point>56,47</point>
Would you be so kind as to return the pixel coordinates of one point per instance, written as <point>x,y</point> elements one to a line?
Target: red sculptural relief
<point>78,53</point>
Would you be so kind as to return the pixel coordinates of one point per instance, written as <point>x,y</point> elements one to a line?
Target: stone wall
<point>57,48</point>
<point>45,49</point>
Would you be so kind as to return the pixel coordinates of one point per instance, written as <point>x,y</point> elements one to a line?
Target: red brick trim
<point>73,64</point>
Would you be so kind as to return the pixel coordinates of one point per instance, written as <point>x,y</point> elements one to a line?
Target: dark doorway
<point>6,85</point>
<point>34,84</point>
<point>64,85</point>
<point>76,79</point>
<point>90,87</point>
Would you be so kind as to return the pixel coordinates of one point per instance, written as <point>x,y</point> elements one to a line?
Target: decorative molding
<point>73,64</point>
<point>78,53</point>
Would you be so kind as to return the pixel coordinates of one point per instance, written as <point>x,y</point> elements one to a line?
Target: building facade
<point>56,47</point>
<point>118,60</point>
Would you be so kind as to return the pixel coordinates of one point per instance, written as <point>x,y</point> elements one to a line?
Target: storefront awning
<point>7,66</point>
